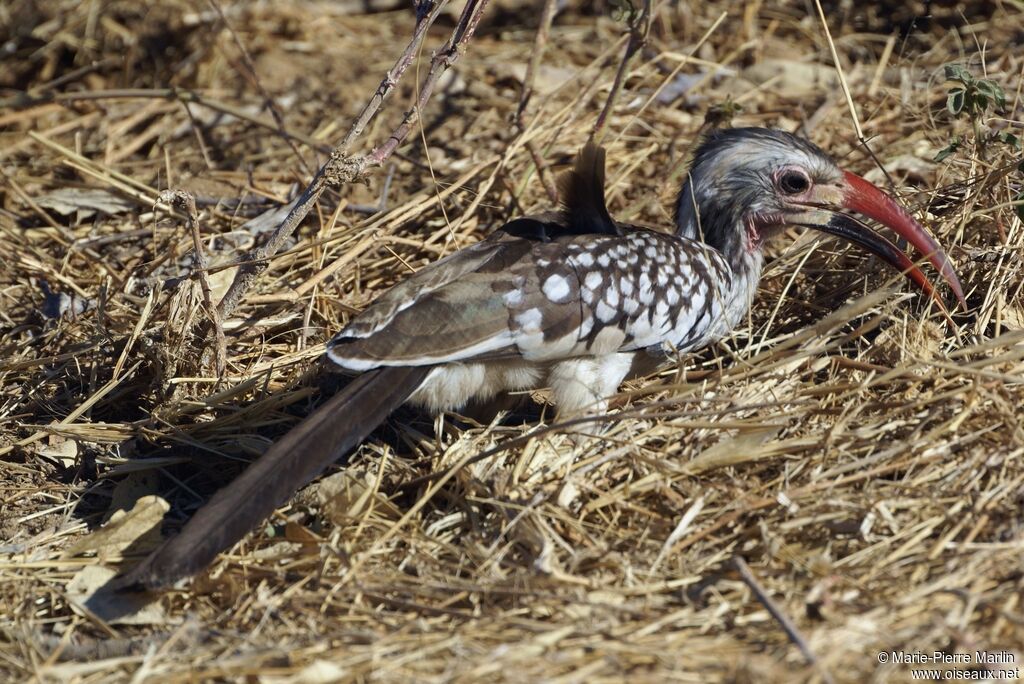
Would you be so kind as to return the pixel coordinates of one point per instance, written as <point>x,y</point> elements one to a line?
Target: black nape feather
<point>581,191</point>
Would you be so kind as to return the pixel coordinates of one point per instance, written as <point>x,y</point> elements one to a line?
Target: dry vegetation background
<point>863,459</point>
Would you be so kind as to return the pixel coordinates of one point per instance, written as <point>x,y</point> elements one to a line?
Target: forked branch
<point>341,168</point>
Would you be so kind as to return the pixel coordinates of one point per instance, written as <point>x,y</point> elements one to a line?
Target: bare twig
<point>639,29</point>
<point>342,168</point>
<point>671,75</point>
<point>849,98</point>
<point>539,44</point>
<point>780,615</point>
<point>255,79</point>
<point>426,13</point>
<point>186,203</point>
<point>442,61</point>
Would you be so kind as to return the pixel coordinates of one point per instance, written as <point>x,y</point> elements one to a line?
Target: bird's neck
<point>744,271</point>
<point>703,216</point>
<point>746,274</point>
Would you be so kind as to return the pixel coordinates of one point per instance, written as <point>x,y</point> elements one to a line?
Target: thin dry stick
<point>780,615</point>
<point>198,136</point>
<point>839,70</point>
<point>639,29</point>
<point>341,168</point>
<point>846,93</point>
<point>539,44</point>
<point>443,59</point>
<point>426,13</point>
<point>672,75</point>
<point>255,79</point>
<point>185,202</point>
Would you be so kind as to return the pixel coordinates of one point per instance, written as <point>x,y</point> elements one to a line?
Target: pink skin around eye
<point>757,225</point>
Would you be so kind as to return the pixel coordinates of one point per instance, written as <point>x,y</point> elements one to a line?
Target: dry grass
<point>863,460</point>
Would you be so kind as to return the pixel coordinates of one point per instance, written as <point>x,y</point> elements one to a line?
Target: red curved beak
<point>863,197</point>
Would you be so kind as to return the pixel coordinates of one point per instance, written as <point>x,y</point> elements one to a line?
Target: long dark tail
<point>290,463</point>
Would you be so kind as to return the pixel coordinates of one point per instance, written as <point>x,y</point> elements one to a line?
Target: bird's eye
<point>793,182</point>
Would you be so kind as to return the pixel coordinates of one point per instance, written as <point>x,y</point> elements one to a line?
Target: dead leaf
<point>88,593</point>
<point>745,447</point>
<point>131,489</point>
<point>317,672</point>
<point>60,449</point>
<point>546,80</point>
<point>344,496</point>
<point>139,528</point>
<point>83,202</point>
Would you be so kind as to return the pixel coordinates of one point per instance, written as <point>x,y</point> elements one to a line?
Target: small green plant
<point>971,98</point>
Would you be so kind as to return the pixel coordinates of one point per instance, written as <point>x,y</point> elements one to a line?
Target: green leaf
<point>1009,139</point>
<point>993,91</point>
<point>1000,99</point>
<point>986,86</point>
<point>622,10</point>
<point>955,101</point>
<point>956,72</point>
<point>949,149</point>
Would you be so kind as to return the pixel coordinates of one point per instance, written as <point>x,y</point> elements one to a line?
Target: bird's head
<point>747,184</point>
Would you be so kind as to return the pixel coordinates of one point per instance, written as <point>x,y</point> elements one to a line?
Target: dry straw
<point>841,477</point>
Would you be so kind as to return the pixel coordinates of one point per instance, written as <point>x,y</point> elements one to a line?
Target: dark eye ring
<point>794,182</point>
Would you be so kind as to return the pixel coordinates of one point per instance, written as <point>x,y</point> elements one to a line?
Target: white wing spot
<point>604,312</point>
<point>594,280</point>
<point>530,320</point>
<point>585,259</point>
<point>556,288</point>
<point>513,298</point>
<point>646,291</point>
<point>585,327</point>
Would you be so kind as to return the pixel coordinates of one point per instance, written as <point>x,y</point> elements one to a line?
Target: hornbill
<point>571,300</point>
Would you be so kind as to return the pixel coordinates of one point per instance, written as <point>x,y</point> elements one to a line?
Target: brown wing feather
<point>488,313</point>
